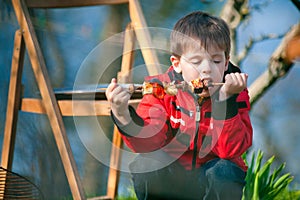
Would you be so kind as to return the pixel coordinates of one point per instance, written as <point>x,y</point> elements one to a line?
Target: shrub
<point>261,183</point>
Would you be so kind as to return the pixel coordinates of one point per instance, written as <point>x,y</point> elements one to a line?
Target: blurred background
<point>67,36</point>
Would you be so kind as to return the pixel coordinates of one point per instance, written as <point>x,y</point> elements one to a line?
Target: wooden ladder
<point>25,38</point>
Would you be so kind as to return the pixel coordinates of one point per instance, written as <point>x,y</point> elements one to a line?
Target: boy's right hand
<point>118,98</point>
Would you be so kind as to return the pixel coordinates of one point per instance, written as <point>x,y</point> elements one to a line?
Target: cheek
<point>189,75</point>
<point>218,73</point>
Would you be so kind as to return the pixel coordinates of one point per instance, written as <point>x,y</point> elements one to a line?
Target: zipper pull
<point>197,118</point>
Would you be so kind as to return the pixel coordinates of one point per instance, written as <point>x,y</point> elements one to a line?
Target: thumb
<point>245,76</point>
<point>113,80</point>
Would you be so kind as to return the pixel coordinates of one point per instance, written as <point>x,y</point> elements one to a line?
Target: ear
<point>226,64</point>
<point>176,63</point>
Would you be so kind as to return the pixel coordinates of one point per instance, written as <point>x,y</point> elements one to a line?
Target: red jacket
<point>192,132</point>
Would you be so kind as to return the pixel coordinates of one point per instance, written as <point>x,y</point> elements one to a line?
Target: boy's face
<point>207,65</point>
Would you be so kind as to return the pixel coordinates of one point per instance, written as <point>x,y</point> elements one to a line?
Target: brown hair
<point>199,28</point>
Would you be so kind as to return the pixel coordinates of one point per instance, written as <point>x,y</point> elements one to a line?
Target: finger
<point>227,77</point>
<point>239,79</point>
<point>231,79</point>
<point>245,77</point>
<point>125,95</point>
<point>120,94</point>
<point>110,88</point>
<point>121,99</point>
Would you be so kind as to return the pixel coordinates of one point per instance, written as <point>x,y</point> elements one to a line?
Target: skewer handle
<point>216,84</point>
<point>130,87</point>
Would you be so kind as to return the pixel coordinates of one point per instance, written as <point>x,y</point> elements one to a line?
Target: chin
<point>205,94</point>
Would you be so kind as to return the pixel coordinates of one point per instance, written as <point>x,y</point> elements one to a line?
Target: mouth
<point>200,85</point>
<point>207,82</point>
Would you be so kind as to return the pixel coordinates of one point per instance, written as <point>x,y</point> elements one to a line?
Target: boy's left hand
<point>234,84</point>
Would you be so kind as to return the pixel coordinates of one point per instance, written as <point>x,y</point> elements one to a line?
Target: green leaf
<point>282,180</point>
<point>258,161</point>
<point>256,189</point>
<point>275,174</point>
<point>264,175</point>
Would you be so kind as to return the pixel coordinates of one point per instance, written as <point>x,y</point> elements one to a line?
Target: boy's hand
<point>234,84</point>
<point>118,98</point>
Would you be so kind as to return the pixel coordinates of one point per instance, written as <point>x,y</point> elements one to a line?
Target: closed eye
<point>196,63</point>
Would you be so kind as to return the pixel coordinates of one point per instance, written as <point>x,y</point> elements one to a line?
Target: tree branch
<point>233,13</point>
<point>259,5</point>
<point>279,66</point>
<point>253,41</point>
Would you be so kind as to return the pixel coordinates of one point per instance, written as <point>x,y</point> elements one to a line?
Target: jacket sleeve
<point>231,127</point>
<point>148,130</point>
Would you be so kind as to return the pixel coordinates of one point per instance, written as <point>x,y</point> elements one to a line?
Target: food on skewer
<point>195,86</point>
<point>153,88</point>
<point>198,85</point>
<point>171,88</point>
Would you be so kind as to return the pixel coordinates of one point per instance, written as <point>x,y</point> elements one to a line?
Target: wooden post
<point>13,102</point>
<point>49,100</point>
<point>124,76</point>
<point>115,158</point>
<point>143,37</point>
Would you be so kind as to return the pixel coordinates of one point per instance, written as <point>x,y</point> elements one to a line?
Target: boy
<point>190,144</point>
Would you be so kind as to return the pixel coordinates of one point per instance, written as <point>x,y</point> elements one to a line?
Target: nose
<point>205,68</point>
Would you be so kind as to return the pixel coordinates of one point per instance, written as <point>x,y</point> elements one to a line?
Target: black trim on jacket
<point>134,127</point>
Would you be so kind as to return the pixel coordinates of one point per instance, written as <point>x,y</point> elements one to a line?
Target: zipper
<point>197,119</point>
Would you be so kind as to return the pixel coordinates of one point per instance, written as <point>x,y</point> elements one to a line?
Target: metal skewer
<point>136,90</point>
<point>170,88</point>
